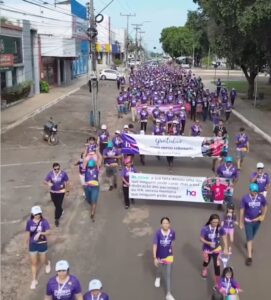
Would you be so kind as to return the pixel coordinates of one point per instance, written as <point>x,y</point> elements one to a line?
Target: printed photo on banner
<point>177,146</point>
<point>179,188</point>
<point>217,190</point>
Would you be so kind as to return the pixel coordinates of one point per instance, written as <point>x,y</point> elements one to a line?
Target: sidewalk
<point>255,118</point>
<point>15,115</point>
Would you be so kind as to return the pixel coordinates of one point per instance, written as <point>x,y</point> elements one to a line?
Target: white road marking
<point>11,222</point>
<point>30,163</point>
<point>22,186</point>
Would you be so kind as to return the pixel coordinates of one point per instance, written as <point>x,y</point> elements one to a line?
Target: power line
<point>127,37</point>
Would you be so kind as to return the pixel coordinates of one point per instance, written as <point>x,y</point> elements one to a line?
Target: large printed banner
<point>179,188</point>
<point>165,108</point>
<point>178,146</point>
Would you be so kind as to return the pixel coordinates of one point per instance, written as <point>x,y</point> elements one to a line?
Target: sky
<point>153,14</point>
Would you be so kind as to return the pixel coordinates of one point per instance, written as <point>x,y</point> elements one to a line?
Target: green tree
<point>177,41</point>
<point>240,31</point>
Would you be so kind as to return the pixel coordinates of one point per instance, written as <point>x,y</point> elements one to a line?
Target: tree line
<point>237,30</point>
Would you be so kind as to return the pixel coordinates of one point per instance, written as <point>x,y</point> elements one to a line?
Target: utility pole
<point>127,36</point>
<point>137,28</point>
<point>93,83</point>
<point>140,45</point>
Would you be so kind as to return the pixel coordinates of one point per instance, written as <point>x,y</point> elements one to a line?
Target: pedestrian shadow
<point>239,242</point>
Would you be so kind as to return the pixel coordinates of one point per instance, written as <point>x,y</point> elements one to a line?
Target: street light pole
<point>127,37</point>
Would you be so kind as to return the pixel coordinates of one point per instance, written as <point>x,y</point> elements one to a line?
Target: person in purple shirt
<point>58,182</point>
<point>117,140</point>
<point>143,115</point>
<point>228,109</point>
<point>95,291</point>
<point>261,178</point>
<point>157,129</point>
<point>37,228</point>
<point>103,138</point>
<point>210,236</point>
<point>170,116</point>
<point>163,255</point>
<point>92,186</point>
<point>125,174</point>
<point>233,95</point>
<point>242,147</point>
<point>63,286</point>
<point>111,156</point>
<point>120,105</point>
<point>182,119</point>
<point>196,129</point>
<point>227,284</point>
<point>253,210</point>
<point>228,170</point>
<point>133,108</point>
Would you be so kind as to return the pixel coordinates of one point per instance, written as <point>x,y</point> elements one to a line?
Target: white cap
<point>62,265</point>
<point>117,131</point>
<point>95,284</point>
<point>104,127</point>
<point>175,122</point>
<point>182,107</point>
<point>260,165</point>
<point>35,210</point>
<point>126,127</point>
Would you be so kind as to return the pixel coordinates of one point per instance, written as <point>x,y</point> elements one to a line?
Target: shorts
<point>92,194</point>
<point>82,179</point>
<point>229,231</point>
<point>241,154</point>
<point>251,229</point>
<point>35,248</point>
<point>111,171</point>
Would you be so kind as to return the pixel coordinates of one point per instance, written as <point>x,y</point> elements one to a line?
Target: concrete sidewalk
<point>256,119</point>
<point>15,115</point>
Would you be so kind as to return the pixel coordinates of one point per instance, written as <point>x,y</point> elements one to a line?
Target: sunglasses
<point>56,169</point>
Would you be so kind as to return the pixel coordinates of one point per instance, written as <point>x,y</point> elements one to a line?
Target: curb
<point>39,110</point>
<point>252,126</point>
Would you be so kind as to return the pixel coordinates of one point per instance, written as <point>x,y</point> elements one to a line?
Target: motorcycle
<point>50,132</point>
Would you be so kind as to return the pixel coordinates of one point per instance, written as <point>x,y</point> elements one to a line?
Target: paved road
<point>117,248</point>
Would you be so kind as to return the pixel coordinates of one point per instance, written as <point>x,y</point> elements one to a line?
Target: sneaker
<point>157,282</point>
<point>48,267</point>
<point>57,223</point>
<point>169,297</point>
<point>204,273</point>
<point>249,261</point>
<point>33,284</point>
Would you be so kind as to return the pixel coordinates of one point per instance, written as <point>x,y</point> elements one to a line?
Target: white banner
<point>178,188</point>
<point>178,146</point>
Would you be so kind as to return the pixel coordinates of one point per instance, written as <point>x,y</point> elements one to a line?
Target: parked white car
<point>108,74</point>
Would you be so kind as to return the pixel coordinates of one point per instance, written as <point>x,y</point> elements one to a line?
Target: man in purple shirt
<point>143,118</point>
<point>111,156</point>
<point>133,107</point>
<point>58,181</point>
<point>253,210</point>
<point>242,146</point>
<point>233,95</point>
<point>261,178</point>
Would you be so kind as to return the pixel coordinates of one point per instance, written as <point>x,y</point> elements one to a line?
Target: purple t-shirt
<point>31,227</point>
<point>64,291</point>
<point>182,115</point>
<point>227,284</point>
<point>58,180</point>
<point>92,176</point>
<point>157,130</point>
<point>156,113</point>
<point>91,148</point>
<point>125,173</point>
<point>263,180</point>
<point>109,153</point>
<point>213,235</point>
<point>144,115</point>
<point>117,141</point>
<point>229,221</point>
<point>101,296</point>
<point>195,130</point>
<point>164,243</point>
<point>120,100</point>
<point>253,206</point>
<point>241,141</point>
<point>133,102</point>
<point>227,172</point>
<point>104,136</point>
<point>170,116</point>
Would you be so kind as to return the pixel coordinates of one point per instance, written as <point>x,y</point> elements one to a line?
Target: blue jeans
<point>251,229</point>
<point>92,194</point>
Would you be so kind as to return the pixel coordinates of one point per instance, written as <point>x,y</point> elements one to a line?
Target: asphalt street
<point>117,247</point>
